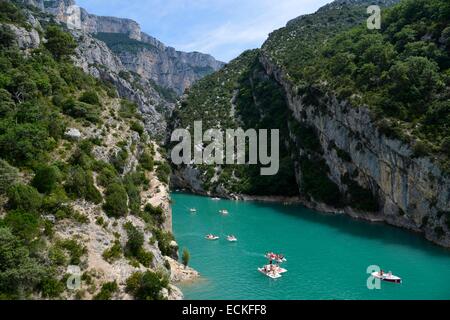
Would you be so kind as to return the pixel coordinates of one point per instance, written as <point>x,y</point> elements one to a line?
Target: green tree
<point>23,224</point>
<point>116,201</point>
<point>147,286</point>
<point>7,37</point>
<point>146,161</point>
<point>19,273</point>
<point>80,183</point>
<point>90,97</point>
<point>8,176</point>
<point>135,240</point>
<point>21,144</point>
<point>46,178</point>
<point>185,257</point>
<point>24,197</point>
<point>61,44</point>
<point>107,291</point>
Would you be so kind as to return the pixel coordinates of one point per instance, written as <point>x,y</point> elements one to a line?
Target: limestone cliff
<point>164,65</point>
<point>97,59</point>
<point>412,193</point>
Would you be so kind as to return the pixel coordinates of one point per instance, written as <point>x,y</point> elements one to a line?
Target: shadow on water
<point>379,231</point>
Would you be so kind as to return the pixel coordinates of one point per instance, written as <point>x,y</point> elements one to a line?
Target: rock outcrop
<point>168,67</point>
<point>97,59</point>
<point>25,39</point>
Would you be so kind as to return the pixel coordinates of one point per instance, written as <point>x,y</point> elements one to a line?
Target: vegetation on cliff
<point>48,176</point>
<point>401,71</point>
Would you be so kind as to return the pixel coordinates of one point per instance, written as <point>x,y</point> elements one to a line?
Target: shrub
<point>164,239</point>
<point>114,253</point>
<point>133,192</point>
<point>421,149</point>
<point>57,256</point>
<point>8,176</point>
<point>7,105</point>
<point>82,156</point>
<point>135,240</point>
<point>51,287</point>
<point>80,183</point>
<point>23,143</point>
<point>107,176</point>
<point>46,178</point>
<point>7,37</point>
<point>90,97</point>
<point>146,161</point>
<point>10,13</point>
<point>120,160</point>
<point>445,146</point>
<point>83,110</point>
<point>136,126</point>
<point>185,257</point>
<point>163,172</point>
<point>156,212</point>
<point>19,273</point>
<point>107,291</point>
<point>24,197</point>
<point>147,286</point>
<point>128,109</point>
<point>144,257</point>
<point>22,224</point>
<point>307,137</point>
<point>116,201</point>
<point>57,200</point>
<point>75,249</point>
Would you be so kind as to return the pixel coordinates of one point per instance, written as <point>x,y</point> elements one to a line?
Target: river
<point>327,255</point>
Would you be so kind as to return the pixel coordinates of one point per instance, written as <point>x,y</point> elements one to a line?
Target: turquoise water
<point>327,255</point>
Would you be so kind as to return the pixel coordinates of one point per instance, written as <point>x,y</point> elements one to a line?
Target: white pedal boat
<point>277,269</point>
<point>212,237</point>
<point>270,274</point>
<point>275,257</point>
<point>388,277</point>
<point>193,210</point>
<point>224,212</point>
<point>232,239</point>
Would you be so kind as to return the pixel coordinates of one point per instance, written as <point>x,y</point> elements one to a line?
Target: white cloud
<point>223,28</point>
<point>268,16</point>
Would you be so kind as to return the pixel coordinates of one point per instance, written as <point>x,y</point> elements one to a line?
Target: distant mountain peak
<point>165,65</point>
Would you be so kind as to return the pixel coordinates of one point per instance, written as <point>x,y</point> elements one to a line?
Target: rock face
<point>73,134</point>
<point>413,193</point>
<point>35,3</point>
<point>97,59</point>
<point>78,18</point>
<point>166,66</point>
<point>25,39</point>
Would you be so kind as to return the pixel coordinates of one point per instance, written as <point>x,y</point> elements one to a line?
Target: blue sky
<point>223,28</point>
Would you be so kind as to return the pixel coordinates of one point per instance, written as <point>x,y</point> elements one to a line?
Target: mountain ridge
<point>168,67</point>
